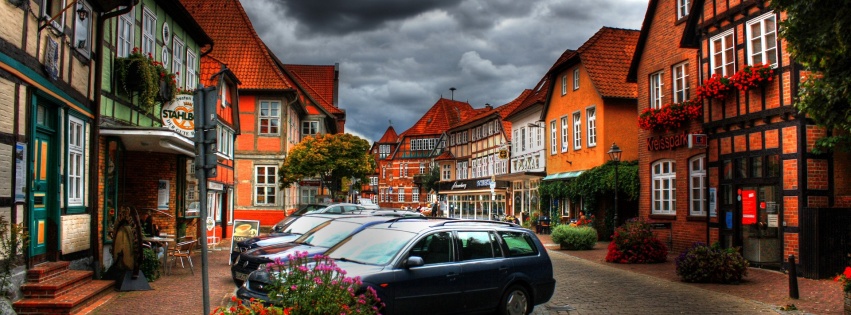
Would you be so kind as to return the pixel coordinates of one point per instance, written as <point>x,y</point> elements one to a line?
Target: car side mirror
<point>414,261</point>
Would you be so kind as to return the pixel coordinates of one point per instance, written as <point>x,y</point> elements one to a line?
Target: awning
<point>521,176</point>
<point>151,140</point>
<point>563,175</point>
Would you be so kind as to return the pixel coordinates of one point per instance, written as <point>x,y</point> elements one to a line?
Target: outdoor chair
<point>544,225</point>
<point>183,250</point>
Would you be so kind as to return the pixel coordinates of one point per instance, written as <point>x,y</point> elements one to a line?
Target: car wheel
<point>515,301</point>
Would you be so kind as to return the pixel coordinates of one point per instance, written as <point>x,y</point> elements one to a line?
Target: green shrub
<point>634,242</point>
<point>575,238</point>
<point>150,264</point>
<point>702,263</point>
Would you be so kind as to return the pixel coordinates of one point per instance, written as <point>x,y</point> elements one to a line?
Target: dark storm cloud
<point>397,58</point>
<point>340,17</point>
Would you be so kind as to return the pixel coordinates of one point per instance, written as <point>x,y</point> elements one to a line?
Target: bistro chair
<point>544,225</point>
<point>183,250</point>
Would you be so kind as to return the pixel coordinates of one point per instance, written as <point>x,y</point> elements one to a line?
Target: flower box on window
<point>716,87</point>
<point>671,116</point>
<point>752,77</point>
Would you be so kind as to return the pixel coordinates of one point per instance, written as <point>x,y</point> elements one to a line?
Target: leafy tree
<point>431,179</point>
<point>330,157</point>
<point>818,33</point>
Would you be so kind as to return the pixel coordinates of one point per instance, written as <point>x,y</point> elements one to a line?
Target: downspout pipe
<point>95,141</point>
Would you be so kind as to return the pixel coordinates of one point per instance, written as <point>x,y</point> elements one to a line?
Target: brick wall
<point>76,233</point>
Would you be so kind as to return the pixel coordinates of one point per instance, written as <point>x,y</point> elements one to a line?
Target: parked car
<point>285,233</point>
<point>387,213</point>
<point>338,208</point>
<point>442,266</point>
<point>367,203</point>
<point>316,241</point>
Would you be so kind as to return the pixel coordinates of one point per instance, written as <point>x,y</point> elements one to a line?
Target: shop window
<point>265,185</point>
<point>664,187</point>
<point>76,161</point>
<point>697,188</point>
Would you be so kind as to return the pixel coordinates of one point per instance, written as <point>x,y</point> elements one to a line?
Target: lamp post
<point>615,155</point>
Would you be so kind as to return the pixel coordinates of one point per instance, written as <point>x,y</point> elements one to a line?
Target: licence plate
<point>241,276</point>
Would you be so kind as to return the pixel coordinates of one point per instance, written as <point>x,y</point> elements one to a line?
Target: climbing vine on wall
<point>595,183</point>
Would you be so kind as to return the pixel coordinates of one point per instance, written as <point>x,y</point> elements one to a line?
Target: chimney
<point>488,106</point>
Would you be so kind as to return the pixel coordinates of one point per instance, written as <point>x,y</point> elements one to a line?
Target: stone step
<point>69,303</point>
<point>57,285</point>
<point>43,271</point>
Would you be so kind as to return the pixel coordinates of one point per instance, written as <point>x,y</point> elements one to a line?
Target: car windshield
<point>311,209</point>
<point>303,224</point>
<point>328,234</point>
<point>371,246</point>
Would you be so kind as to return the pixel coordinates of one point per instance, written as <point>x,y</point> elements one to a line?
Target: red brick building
<point>757,185</point>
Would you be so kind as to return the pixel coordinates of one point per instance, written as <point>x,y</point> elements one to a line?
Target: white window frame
<point>577,130</point>
<point>765,38</point>
<point>727,67</point>
<point>656,92</point>
<point>680,82</point>
<point>553,137</point>
<point>682,8</point>
<point>447,172</point>
<point>564,84</point>
<point>309,125</point>
<point>697,186</point>
<point>415,194</point>
<point>48,12</point>
<point>178,49</point>
<point>83,30</point>
<point>591,118</point>
<point>76,161</point>
<point>565,132</point>
<point>149,31</point>
<point>522,139</point>
<point>401,194</point>
<point>191,74</point>
<point>264,183</point>
<point>663,187</point>
<point>268,117</point>
<point>575,79</point>
<point>225,141</point>
<point>125,33</point>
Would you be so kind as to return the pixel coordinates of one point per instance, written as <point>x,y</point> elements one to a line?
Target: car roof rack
<point>477,221</point>
<point>394,220</point>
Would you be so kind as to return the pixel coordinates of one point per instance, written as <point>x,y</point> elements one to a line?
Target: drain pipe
<point>94,238</point>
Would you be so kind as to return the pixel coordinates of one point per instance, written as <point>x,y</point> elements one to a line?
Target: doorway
<point>760,232</point>
<point>44,201</point>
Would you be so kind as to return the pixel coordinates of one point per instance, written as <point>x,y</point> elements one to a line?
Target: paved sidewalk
<point>766,286</point>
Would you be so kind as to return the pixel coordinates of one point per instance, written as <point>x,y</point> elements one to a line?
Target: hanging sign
<point>179,115</point>
<point>748,207</point>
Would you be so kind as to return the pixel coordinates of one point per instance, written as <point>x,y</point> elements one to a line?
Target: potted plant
<point>137,73</point>
<point>752,76</point>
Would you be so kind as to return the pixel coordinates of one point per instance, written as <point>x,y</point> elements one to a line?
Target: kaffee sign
<point>179,115</point>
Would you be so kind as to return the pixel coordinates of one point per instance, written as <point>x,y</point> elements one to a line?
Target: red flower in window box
<point>670,116</point>
<point>753,76</point>
<point>715,87</point>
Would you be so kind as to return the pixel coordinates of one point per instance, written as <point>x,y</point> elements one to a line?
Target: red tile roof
<point>210,66</point>
<point>318,81</point>
<point>503,111</point>
<point>606,57</point>
<point>389,136</point>
<point>237,44</point>
<point>439,118</point>
<point>538,95</point>
<point>446,155</point>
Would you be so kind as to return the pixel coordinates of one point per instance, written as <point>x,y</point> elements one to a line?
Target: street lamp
<point>615,156</point>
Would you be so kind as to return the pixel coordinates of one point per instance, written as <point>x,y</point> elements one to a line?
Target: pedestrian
<point>434,209</point>
<point>420,208</point>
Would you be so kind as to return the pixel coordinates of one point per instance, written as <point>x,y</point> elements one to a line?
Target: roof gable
<point>237,44</point>
<point>606,57</point>
<point>439,118</point>
<point>317,80</point>
<point>389,136</point>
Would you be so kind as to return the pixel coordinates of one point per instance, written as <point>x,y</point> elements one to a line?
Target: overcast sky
<point>398,57</point>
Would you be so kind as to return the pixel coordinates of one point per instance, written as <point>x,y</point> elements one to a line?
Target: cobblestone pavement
<point>585,287</point>
<point>586,284</point>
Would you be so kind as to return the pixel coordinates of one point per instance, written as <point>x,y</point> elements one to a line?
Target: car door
<point>483,269</point>
<point>435,287</point>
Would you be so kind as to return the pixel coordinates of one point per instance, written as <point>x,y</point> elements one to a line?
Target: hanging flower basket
<point>168,90</point>
<point>752,77</point>
<point>715,87</point>
<point>136,74</point>
<point>671,116</point>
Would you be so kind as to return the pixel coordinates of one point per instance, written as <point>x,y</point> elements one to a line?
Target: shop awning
<point>151,140</point>
<point>563,175</point>
<point>521,176</point>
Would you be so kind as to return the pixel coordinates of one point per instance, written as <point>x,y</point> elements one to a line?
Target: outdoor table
<point>161,242</point>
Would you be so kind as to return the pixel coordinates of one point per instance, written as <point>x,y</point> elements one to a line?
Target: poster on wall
<point>748,207</point>
<point>712,204</point>
<point>20,182</point>
<point>242,230</point>
<point>162,195</point>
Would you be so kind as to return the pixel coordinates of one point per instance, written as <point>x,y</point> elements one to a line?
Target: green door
<point>43,191</point>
